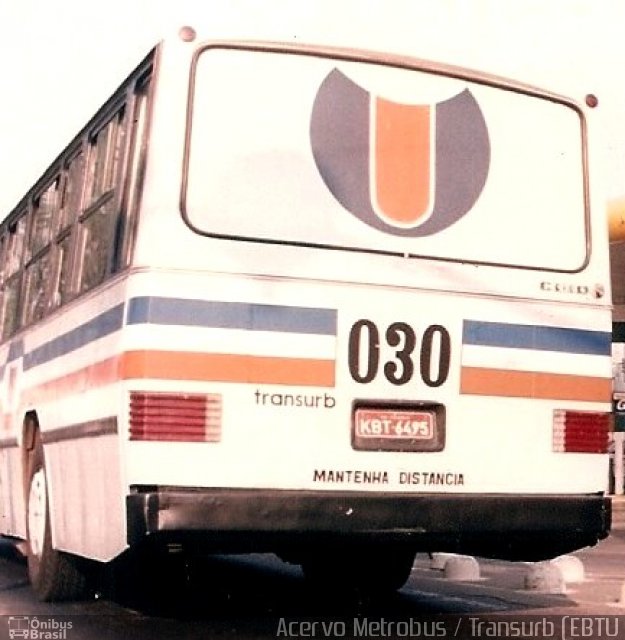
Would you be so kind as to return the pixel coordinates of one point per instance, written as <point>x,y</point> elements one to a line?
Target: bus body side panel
<point>12,519</point>
<point>70,381</point>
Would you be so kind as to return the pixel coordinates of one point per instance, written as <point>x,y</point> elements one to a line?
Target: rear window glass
<point>309,150</point>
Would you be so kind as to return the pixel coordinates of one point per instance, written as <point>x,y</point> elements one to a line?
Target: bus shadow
<point>258,587</point>
<point>259,590</point>
<point>10,550</point>
<point>13,575</point>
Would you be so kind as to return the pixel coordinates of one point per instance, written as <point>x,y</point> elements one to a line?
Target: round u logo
<point>408,170</point>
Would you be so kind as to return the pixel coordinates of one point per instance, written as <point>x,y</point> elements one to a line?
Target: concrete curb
<point>545,577</point>
<point>572,568</point>
<point>462,568</point>
<point>438,560</point>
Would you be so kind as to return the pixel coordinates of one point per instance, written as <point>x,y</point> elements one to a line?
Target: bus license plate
<point>395,429</point>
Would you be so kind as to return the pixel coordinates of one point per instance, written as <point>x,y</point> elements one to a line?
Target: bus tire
<point>54,575</point>
<point>372,571</point>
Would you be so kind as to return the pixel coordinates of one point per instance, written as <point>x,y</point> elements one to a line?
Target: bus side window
<point>65,228</point>
<point>72,192</point>
<point>99,220</point>
<point>13,276</point>
<point>38,254</point>
<point>135,172</point>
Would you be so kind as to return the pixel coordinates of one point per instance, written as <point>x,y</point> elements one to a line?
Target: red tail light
<point>580,431</point>
<point>175,417</point>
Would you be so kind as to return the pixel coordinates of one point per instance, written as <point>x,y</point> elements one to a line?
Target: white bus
<point>339,305</point>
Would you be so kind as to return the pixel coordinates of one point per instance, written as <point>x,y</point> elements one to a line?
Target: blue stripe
<point>16,350</point>
<point>98,327</point>
<point>521,336</point>
<point>231,315</point>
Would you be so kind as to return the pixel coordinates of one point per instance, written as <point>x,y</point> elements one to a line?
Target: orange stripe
<point>531,384</point>
<point>402,155</point>
<point>95,375</point>
<point>172,365</point>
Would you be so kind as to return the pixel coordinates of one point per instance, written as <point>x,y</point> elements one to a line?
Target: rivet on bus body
<point>187,34</point>
<point>591,100</point>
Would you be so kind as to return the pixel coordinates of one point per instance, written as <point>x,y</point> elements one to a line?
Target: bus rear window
<point>302,149</point>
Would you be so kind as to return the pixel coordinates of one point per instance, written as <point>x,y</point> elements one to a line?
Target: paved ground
<point>250,596</point>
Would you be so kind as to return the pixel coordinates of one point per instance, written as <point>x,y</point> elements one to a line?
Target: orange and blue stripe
<point>510,343</point>
<point>279,369</point>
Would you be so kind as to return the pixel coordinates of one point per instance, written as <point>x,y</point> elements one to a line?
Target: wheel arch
<point>30,432</point>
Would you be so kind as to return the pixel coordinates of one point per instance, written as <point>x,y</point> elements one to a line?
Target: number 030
<point>433,356</point>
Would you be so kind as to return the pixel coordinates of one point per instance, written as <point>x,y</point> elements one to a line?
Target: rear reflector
<point>175,417</point>
<point>580,431</point>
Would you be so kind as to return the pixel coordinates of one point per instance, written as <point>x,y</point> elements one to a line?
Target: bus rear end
<point>386,325</point>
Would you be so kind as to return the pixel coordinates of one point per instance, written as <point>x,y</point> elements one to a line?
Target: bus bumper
<point>514,527</point>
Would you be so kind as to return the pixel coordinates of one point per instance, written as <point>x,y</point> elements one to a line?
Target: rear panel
<point>386,285</point>
<point>361,389</point>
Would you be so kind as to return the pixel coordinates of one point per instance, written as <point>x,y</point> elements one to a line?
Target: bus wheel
<point>369,570</point>
<point>53,574</point>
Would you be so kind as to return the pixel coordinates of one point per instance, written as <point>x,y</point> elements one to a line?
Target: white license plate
<point>411,425</point>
